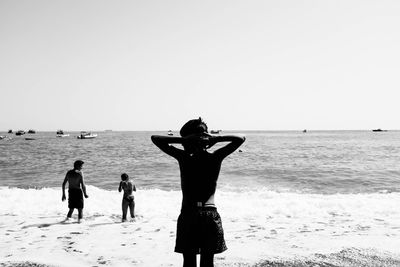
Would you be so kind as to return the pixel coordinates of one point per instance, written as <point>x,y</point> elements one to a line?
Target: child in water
<point>128,199</point>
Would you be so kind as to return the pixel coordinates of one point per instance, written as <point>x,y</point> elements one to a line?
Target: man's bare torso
<point>74,179</point>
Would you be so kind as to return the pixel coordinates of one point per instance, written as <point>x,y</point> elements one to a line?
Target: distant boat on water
<point>20,132</point>
<point>30,138</point>
<point>304,131</point>
<point>215,131</point>
<point>60,133</point>
<point>170,132</point>
<point>5,137</point>
<point>86,135</point>
<point>10,131</point>
<point>379,130</point>
<point>31,131</point>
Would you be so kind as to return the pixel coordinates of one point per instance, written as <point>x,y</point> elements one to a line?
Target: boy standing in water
<point>75,181</point>
<point>199,227</point>
<point>128,200</point>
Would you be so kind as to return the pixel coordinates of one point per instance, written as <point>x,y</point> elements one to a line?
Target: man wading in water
<point>75,181</point>
<point>199,228</point>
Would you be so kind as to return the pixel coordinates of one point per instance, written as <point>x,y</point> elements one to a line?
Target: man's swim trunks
<point>199,230</point>
<point>75,198</point>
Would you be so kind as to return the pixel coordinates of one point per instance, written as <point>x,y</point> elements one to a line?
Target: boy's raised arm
<point>163,143</point>
<point>235,141</point>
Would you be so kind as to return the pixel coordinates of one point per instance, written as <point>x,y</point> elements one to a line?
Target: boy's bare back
<point>74,179</point>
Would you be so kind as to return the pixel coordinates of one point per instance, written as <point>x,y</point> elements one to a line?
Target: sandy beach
<point>279,230</point>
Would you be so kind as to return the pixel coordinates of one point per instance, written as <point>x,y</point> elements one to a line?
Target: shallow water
<point>324,162</point>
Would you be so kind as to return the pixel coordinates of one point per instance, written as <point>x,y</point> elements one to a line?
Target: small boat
<point>30,138</point>
<point>170,132</point>
<point>86,135</point>
<point>60,133</point>
<point>10,131</point>
<point>304,131</point>
<point>31,131</point>
<point>379,130</point>
<point>215,131</point>
<point>20,132</point>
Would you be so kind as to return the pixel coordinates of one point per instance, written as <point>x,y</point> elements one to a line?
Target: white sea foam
<point>258,225</point>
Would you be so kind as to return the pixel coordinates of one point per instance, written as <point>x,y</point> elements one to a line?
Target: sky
<point>240,65</point>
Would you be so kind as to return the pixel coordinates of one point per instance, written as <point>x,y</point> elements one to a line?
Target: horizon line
<point>231,130</point>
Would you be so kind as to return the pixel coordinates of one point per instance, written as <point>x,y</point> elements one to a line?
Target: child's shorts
<point>75,198</point>
<point>199,230</point>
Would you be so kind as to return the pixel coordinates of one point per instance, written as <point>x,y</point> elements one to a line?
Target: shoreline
<point>284,230</point>
<point>350,257</point>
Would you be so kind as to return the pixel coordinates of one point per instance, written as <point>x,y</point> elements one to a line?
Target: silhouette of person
<point>199,226</point>
<point>128,199</point>
<point>75,181</point>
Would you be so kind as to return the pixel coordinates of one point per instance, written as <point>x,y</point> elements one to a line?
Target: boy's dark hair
<point>124,177</point>
<point>196,126</point>
<point>78,164</point>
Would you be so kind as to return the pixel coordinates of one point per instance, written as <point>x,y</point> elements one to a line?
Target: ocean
<point>286,198</point>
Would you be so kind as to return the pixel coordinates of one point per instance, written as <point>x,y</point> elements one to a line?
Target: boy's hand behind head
<point>212,140</point>
<point>197,141</point>
<point>196,137</point>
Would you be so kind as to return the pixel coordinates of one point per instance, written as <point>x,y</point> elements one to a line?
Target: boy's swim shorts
<point>199,230</point>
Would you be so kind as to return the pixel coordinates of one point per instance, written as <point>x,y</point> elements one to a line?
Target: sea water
<point>292,198</point>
